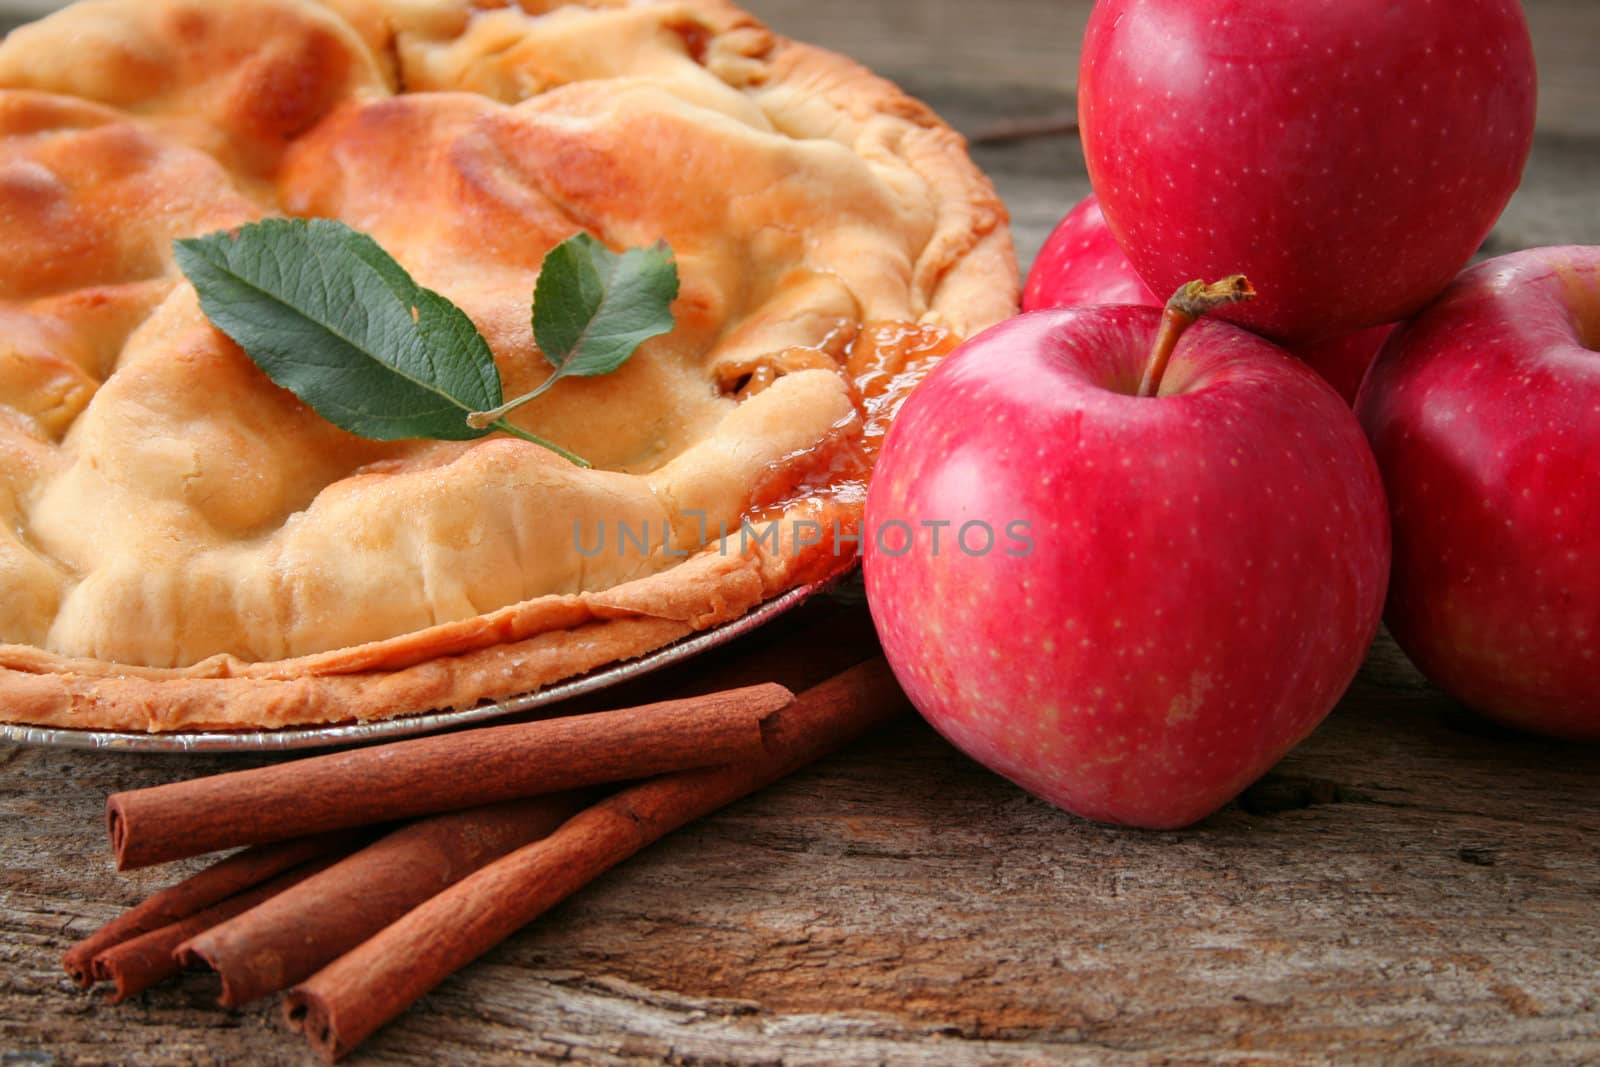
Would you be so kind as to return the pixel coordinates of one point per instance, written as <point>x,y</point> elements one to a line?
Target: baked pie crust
<point>187,546</point>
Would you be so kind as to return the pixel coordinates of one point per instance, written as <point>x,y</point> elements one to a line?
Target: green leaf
<point>593,308</point>
<point>330,316</point>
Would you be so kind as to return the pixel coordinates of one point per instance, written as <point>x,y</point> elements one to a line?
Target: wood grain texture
<point>1410,886</point>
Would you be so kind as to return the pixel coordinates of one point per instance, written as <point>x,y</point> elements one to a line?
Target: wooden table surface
<point>1409,885</point>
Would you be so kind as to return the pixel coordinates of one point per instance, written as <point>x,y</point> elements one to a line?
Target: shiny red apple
<point>1484,414</point>
<point>1343,361</point>
<point>1081,263</point>
<point>1348,155</point>
<point>1131,605</point>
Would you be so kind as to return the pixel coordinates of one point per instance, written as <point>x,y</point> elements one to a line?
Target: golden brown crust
<point>808,201</point>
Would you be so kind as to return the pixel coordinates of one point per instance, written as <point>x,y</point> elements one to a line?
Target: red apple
<point>1484,413</point>
<point>1343,361</point>
<point>1081,263</point>
<point>1177,587</point>
<point>1348,155</point>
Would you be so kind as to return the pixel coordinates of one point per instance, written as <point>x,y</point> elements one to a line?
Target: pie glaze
<point>188,546</point>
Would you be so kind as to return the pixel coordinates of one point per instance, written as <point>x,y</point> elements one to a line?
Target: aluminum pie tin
<point>411,725</point>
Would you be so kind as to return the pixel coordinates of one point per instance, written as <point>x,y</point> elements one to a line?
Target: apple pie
<point>188,546</point>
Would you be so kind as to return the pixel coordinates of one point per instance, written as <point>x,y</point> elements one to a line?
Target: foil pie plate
<point>410,725</point>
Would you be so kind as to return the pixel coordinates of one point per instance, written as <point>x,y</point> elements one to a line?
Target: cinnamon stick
<point>139,963</point>
<point>217,882</point>
<point>433,774</point>
<point>339,1006</point>
<point>290,936</point>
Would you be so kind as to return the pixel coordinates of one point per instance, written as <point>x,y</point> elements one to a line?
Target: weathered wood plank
<point>1408,881</point>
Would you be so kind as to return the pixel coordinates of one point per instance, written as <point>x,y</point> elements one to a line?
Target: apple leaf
<point>333,318</point>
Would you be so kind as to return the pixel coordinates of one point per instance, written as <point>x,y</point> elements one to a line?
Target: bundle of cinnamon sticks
<point>369,876</point>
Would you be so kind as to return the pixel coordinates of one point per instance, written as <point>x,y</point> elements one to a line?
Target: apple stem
<point>1188,304</point>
